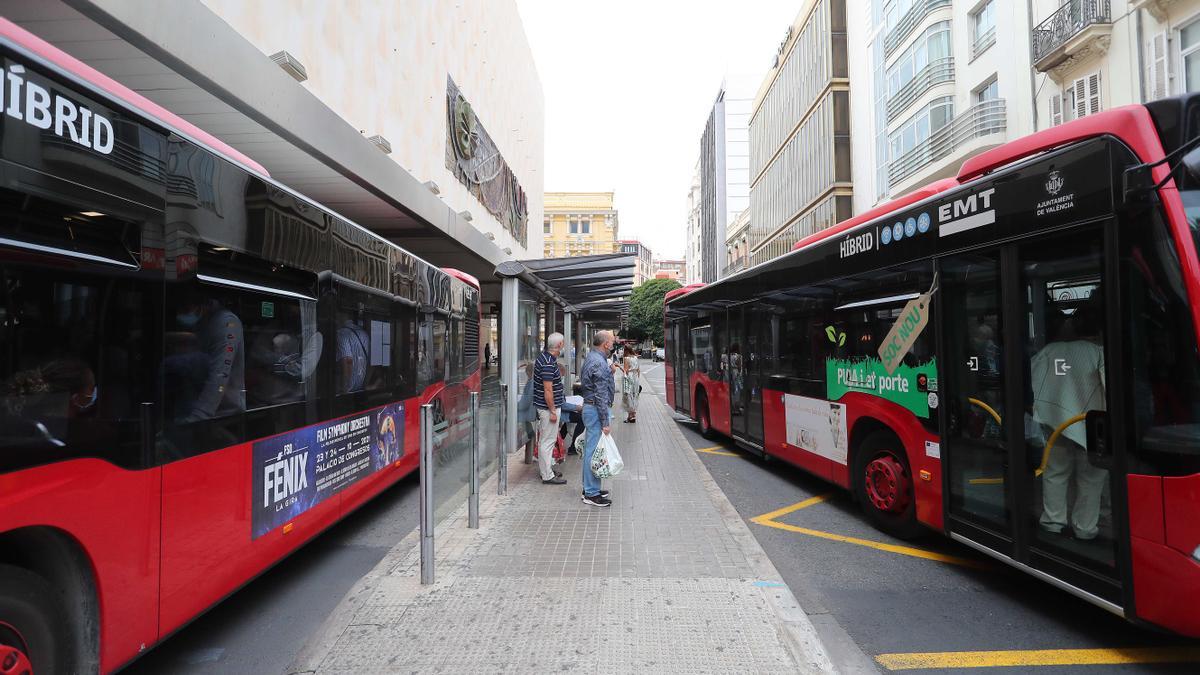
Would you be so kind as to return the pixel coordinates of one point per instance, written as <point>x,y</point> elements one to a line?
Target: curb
<point>835,650</point>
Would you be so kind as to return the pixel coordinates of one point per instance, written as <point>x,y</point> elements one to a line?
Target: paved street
<point>894,602</point>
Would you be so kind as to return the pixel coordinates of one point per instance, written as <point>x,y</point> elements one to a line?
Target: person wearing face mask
<point>219,335</point>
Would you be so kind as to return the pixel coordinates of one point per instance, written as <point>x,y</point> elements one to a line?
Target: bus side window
<point>283,348</point>
<point>75,353</point>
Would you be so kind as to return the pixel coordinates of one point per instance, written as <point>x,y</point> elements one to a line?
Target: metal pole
<point>502,451</point>
<point>426,498</point>
<point>473,498</point>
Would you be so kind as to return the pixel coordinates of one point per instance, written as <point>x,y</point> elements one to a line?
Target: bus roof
<point>676,292</point>
<point>462,276</point>
<point>119,92</point>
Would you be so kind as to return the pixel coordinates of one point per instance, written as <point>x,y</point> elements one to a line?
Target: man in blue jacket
<point>596,380</point>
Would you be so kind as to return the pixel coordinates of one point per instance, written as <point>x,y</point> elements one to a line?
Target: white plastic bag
<point>606,460</point>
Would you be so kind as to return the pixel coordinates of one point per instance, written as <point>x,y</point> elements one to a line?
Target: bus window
<point>702,348</point>
<point>1165,364</point>
<point>283,348</point>
<point>364,350</point>
<point>73,353</point>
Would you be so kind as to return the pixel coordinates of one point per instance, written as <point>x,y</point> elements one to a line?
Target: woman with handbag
<point>631,386</point>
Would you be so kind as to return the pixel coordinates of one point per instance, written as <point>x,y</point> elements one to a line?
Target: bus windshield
<point>1191,206</point>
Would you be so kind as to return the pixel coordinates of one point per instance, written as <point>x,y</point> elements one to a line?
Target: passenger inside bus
<point>1068,380</point>
<point>218,337</point>
<point>46,405</point>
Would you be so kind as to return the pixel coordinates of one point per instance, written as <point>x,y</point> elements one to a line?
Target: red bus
<point>1008,356</point>
<point>200,370</point>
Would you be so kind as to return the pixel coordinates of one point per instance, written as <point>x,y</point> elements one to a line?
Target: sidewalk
<point>668,579</point>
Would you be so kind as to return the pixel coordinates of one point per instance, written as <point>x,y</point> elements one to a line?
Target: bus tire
<point>33,625</point>
<point>703,416</point>
<point>884,485</point>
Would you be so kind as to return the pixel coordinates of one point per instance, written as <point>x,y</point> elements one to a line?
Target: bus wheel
<point>702,415</point>
<point>884,486</point>
<point>34,633</point>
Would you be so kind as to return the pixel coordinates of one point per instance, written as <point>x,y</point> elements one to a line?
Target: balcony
<point>982,43</point>
<point>908,22</point>
<point>1071,33</point>
<point>941,70</point>
<point>978,128</point>
<point>734,267</point>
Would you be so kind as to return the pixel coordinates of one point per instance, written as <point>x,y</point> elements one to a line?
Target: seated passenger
<point>218,334</point>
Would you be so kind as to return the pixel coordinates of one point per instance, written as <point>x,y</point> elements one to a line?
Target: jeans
<point>591,421</point>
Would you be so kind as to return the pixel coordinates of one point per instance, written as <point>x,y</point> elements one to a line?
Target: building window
<point>546,226</point>
<point>990,91</point>
<point>931,47</point>
<point>983,28</point>
<point>585,226</point>
<point>1189,52</point>
<point>574,226</point>
<point>1080,99</point>
<point>918,128</point>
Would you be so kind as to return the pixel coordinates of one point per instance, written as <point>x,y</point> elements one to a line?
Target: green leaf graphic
<point>831,334</point>
<point>842,340</point>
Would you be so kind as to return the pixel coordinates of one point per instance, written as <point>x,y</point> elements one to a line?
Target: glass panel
<point>974,388</point>
<point>1064,347</point>
<point>1190,35</point>
<point>1191,68</point>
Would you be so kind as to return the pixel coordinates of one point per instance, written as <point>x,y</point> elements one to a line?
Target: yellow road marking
<point>778,513</point>
<point>1039,657</point>
<point>986,481</point>
<point>717,450</point>
<point>769,520</point>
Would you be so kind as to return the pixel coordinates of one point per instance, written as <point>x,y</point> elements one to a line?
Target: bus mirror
<point>1192,161</point>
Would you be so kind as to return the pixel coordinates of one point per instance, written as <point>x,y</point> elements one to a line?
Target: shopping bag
<point>580,442</point>
<point>606,460</point>
<point>560,450</point>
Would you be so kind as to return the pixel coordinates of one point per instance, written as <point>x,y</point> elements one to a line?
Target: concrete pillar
<point>569,349</point>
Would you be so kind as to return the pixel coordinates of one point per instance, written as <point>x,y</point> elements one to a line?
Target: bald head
<point>603,339</point>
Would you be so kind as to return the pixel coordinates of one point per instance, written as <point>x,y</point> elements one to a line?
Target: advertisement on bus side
<point>295,471</point>
<point>816,425</point>
<point>911,386</point>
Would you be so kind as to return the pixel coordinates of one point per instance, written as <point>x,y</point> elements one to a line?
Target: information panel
<point>295,471</point>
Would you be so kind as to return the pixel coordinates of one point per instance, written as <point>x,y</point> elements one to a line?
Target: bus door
<point>1025,443</point>
<point>736,372</point>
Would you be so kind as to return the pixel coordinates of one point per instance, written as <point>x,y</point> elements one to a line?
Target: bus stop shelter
<point>572,296</point>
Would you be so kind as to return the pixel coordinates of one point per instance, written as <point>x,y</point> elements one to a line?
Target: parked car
<point>660,354</point>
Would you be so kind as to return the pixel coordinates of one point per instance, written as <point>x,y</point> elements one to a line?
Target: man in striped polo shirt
<point>548,387</point>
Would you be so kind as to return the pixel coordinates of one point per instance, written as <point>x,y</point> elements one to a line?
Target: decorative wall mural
<point>471,155</point>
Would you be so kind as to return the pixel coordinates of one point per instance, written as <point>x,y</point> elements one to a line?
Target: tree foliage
<point>646,310</point>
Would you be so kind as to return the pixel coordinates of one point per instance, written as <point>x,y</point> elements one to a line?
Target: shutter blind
<point>1056,110</point>
<point>1079,89</point>
<point>1159,83</point>
<point>1093,100</point>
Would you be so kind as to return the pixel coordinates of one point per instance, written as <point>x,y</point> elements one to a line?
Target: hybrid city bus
<point>200,369</point>
<point>1007,356</point>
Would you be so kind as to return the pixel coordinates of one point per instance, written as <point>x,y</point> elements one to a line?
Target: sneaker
<point>603,493</point>
<point>557,480</point>
<point>597,501</point>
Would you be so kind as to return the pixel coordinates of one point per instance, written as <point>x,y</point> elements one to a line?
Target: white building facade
<point>693,253</point>
<point>386,68</point>
<point>941,81</point>
<point>1092,55</point>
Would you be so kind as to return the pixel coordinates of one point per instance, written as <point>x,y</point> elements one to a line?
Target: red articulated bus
<point>200,370</point>
<point>1008,357</point>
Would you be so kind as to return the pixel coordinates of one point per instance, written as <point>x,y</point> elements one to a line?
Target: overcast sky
<point>629,86</point>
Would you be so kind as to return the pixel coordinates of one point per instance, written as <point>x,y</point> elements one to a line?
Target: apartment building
<point>579,223</point>
<point>942,80</point>
<point>1092,55</point>
<point>670,269</point>
<point>693,250</point>
<point>724,167</point>
<point>645,260</point>
<point>737,244</point>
